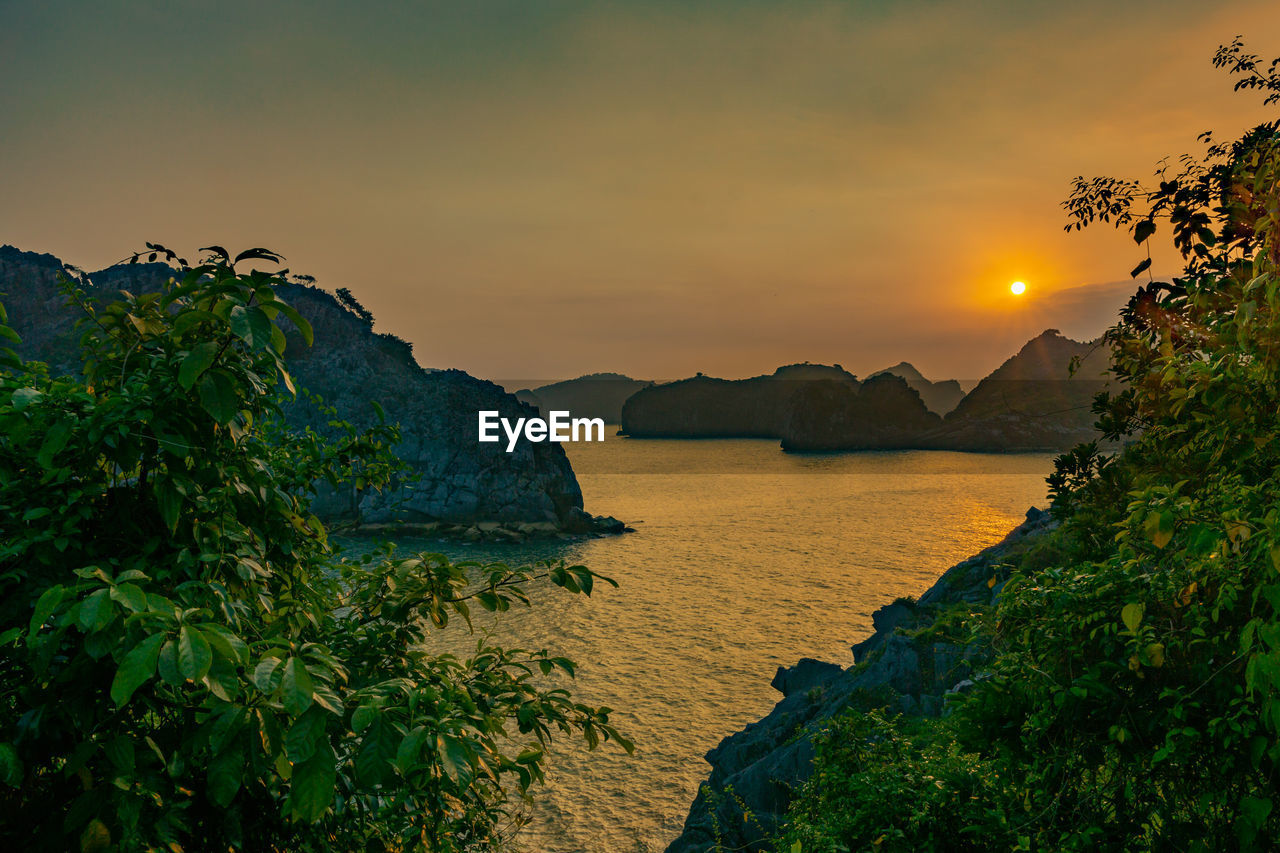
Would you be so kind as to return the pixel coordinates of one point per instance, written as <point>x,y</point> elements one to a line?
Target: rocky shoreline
<point>583,526</point>
<point>918,654</point>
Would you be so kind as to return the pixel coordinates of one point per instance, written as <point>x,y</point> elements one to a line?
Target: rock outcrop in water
<point>910,662</point>
<point>939,397</point>
<point>883,413</point>
<point>460,481</point>
<point>704,407</point>
<point>1033,401</point>
<point>598,395</point>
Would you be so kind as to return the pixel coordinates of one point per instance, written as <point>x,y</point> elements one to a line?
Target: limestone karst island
<point>509,427</point>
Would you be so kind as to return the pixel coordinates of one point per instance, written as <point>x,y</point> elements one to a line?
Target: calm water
<point>745,559</point>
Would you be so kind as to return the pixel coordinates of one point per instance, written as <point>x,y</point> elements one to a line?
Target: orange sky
<point>540,190</point>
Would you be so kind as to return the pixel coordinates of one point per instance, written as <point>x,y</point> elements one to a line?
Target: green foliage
<point>893,784</point>
<point>1134,703</point>
<point>185,662</point>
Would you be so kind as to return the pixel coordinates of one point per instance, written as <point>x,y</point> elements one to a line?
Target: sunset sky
<point>542,189</point>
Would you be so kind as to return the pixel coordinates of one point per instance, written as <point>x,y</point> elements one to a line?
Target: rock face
<point>939,397</point>
<point>460,480</point>
<point>884,413</point>
<point>1032,401</point>
<point>598,395</point>
<point>911,662</point>
<point>703,407</point>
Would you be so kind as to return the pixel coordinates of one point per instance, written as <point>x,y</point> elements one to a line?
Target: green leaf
<point>251,325</point>
<point>311,792</point>
<point>1131,616</point>
<point>197,362</point>
<point>267,675</point>
<point>54,441</point>
<point>167,665</point>
<point>95,837</point>
<point>194,655</point>
<point>24,397</point>
<point>1143,230</point>
<point>1254,811</point>
<point>226,771</point>
<point>306,735</point>
<point>191,317</point>
<point>455,757</point>
<point>131,596</point>
<point>11,771</point>
<point>226,644</point>
<point>45,605</point>
<point>304,328</point>
<point>218,396</point>
<point>1158,527</point>
<point>96,611</point>
<point>138,666</point>
<point>259,254</point>
<point>298,692</point>
<point>377,751</point>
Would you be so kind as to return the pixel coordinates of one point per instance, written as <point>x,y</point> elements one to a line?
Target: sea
<point>744,559</point>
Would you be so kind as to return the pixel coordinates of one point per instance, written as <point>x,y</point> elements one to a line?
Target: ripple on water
<point>747,559</point>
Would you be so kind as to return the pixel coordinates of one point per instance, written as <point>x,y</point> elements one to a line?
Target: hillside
<point>597,395</point>
<point>1032,401</point>
<point>940,397</point>
<point>461,481</point>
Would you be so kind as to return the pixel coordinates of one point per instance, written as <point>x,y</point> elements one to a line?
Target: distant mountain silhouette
<point>705,407</point>
<point>940,397</point>
<point>597,395</point>
<point>1031,402</point>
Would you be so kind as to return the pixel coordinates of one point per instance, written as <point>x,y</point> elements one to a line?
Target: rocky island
<point>459,485</point>
<point>1032,402</point>
<point>596,395</point>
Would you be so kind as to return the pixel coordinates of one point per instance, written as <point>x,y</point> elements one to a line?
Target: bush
<point>896,784</point>
<point>185,662</point>
<point>1134,702</point>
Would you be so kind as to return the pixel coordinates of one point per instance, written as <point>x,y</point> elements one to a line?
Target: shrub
<point>1134,702</point>
<point>185,662</point>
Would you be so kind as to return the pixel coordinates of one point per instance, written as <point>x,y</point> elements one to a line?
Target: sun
<point>1018,288</point>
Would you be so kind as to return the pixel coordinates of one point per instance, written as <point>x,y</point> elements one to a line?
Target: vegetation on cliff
<point>453,479</point>
<point>185,661</point>
<point>1133,702</point>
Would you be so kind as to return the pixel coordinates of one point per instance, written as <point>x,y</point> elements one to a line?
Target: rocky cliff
<point>884,413</point>
<point>704,407</point>
<point>1033,401</point>
<point>917,655</point>
<point>460,480</point>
